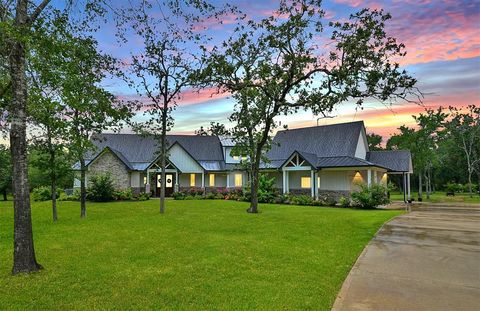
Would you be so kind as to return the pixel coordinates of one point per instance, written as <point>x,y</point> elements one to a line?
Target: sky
<point>442,39</point>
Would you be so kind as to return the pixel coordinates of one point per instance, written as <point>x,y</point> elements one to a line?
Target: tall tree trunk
<point>254,182</point>
<point>420,186</point>
<point>53,176</point>
<point>54,199</point>
<point>23,249</point>
<point>163,157</point>
<point>427,184</point>
<point>83,190</point>
<point>478,180</point>
<point>470,183</point>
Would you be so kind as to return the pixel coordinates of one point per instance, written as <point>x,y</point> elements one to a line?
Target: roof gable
<point>139,149</point>
<point>322,141</point>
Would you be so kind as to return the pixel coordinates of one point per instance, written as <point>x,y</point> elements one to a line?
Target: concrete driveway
<point>428,259</point>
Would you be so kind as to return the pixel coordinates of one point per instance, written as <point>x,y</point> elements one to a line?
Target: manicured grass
<point>200,255</point>
<point>440,197</point>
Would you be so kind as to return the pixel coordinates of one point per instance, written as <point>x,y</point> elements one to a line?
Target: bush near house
<point>75,196</point>
<point>101,188</point>
<point>370,197</point>
<point>265,197</point>
<point>344,201</point>
<point>44,193</point>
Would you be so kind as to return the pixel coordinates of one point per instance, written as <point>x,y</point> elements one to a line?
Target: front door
<point>168,186</point>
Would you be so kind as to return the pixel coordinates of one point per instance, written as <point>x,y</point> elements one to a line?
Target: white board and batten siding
<point>183,161</point>
<point>362,146</point>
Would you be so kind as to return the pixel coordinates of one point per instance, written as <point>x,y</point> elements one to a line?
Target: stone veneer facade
<point>110,163</point>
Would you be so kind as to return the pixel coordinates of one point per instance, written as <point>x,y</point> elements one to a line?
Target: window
<point>238,180</point>
<point>305,182</point>
<point>236,158</point>
<point>318,182</point>
<point>192,180</point>
<point>212,180</point>
<point>144,180</point>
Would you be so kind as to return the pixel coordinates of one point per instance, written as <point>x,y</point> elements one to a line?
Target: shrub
<point>370,197</point>
<point>143,196</point>
<point>195,192</point>
<point>344,201</point>
<point>328,200</point>
<point>453,187</point>
<point>266,189</point>
<point>75,196</point>
<point>466,188</point>
<point>101,188</point>
<point>44,193</point>
<point>178,195</point>
<point>123,195</point>
<point>301,200</point>
<point>211,195</point>
<point>235,194</point>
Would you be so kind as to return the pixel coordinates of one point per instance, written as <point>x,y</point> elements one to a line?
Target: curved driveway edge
<point>428,259</point>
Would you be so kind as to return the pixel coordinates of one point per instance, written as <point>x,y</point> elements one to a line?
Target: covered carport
<point>398,162</point>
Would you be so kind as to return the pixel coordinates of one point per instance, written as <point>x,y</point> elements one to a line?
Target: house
<point>329,159</point>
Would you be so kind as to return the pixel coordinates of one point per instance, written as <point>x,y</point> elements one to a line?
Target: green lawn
<point>200,255</point>
<point>440,197</point>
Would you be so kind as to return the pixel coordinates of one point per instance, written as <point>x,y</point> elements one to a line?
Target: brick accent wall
<point>109,163</point>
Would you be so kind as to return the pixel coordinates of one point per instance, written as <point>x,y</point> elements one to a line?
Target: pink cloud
<point>187,97</point>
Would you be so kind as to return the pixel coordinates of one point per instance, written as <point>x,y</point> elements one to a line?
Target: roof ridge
<point>136,134</point>
<point>317,126</point>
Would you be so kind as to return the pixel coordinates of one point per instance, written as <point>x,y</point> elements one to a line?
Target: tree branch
<point>37,11</point>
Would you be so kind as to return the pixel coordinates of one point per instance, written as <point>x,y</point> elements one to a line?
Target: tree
<point>16,23</point>
<point>463,129</point>
<point>374,141</point>
<point>215,129</point>
<point>89,109</point>
<point>422,143</point>
<point>166,64</point>
<point>277,66</point>
<point>5,171</point>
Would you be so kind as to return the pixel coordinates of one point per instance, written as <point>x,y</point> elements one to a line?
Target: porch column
<point>228,180</point>
<point>408,186</point>
<point>147,185</point>
<point>369,177</point>
<point>285,182</point>
<point>404,188</point>
<point>203,180</point>
<point>375,178</point>
<point>312,182</point>
<point>176,181</point>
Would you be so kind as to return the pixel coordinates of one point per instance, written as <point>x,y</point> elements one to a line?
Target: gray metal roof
<point>393,160</point>
<point>323,141</point>
<point>226,141</point>
<point>322,146</point>
<point>141,149</point>
<point>328,162</point>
